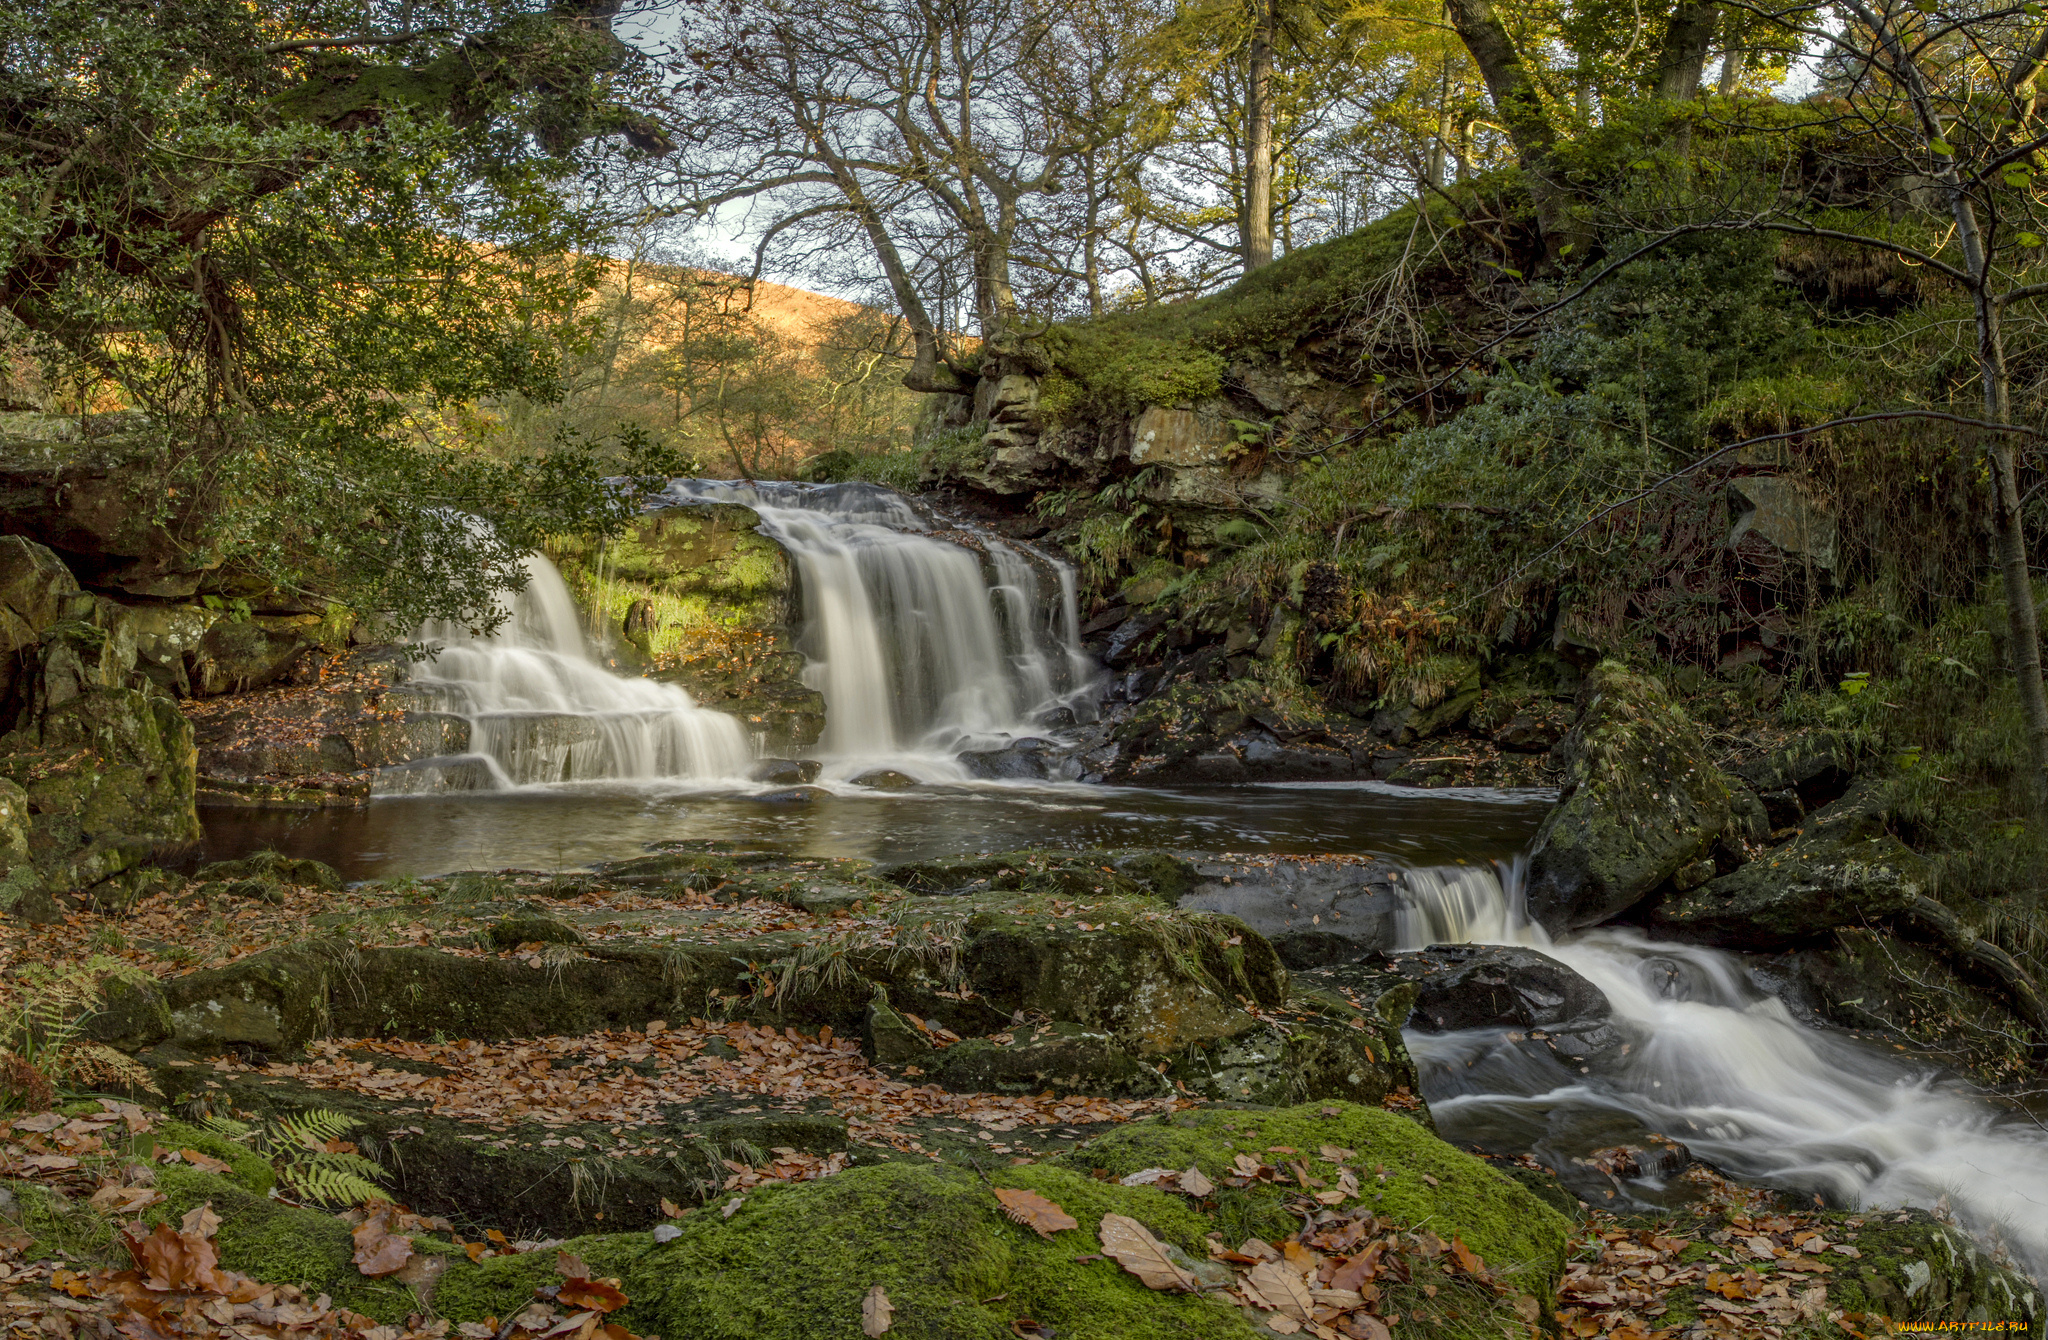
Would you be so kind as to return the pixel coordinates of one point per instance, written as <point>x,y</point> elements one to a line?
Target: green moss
<point>281,1244</point>
<point>55,1224</point>
<point>246,1168</point>
<point>795,1261</point>
<point>500,1285</point>
<point>1521,1238</point>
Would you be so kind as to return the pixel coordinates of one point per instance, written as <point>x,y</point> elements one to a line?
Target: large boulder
<point>109,778</point>
<point>1504,986</point>
<point>1800,891</point>
<point>1641,802</point>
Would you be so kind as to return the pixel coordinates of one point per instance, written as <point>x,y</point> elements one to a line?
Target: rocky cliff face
<point>707,602</point>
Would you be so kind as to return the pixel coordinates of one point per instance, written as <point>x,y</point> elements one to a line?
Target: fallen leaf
<point>1146,1176</point>
<point>670,1210</point>
<point>570,1266</point>
<point>1131,1245</point>
<point>1194,1184</point>
<point>1365,1326</point>
<point>666,1232</point>
<point>202,1161</point>
<point>1468,1260</point>
<point>1282,1324</point>
<point>380,1252</point>
<point>1282,1286</point>
<point>592,1295</point>
<point>877,1314</point>
<point>732,1207</point>
<point>124,1199</point>
<point>1034,1211</point>
<point>1761,1248</point>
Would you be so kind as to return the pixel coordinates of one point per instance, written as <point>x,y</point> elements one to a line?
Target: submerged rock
<point>885,779</point>
<point>1640,803</point>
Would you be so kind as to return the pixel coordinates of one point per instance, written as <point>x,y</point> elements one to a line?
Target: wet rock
<point>1313,910</point>
<point>77,488</point>
<point>791,795</point>
<point>785,771</point>
<point>274,1002</point>
<point>1075,874</point>
<point>1029,760</point>
<point>1808,773</point>
<point>709,604</point>
<point>1526,733</point>
<point>1157,988</point>
<point>885,779</point>
<point>1500,986</point>
<point>1062,1058</point>
<point>1639,803</point>
<point>235,655</point>
<point>1315,1055</point>
<point>1130,637</point>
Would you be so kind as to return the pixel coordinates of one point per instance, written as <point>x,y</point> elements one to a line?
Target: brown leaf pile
<point>626,1079</point>
<point>1762,1274</point>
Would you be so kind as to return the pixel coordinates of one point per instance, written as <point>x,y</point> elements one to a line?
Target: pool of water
<point>561,829</point>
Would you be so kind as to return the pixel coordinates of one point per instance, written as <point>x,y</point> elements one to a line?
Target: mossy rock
<point>1159,983</point>
<point>795,1262</point>
<point>513,931</point>
<point>1057,1058</point>
<point>259,1237</point>
<point>1082,874</point>
<point>1640,802</point>
<point>1521,1238</point>
<point>1798,892</point>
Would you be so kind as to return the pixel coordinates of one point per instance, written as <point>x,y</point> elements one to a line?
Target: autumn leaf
<point>65,1281</point>
<point>1365,1326</point>
<point>124,1199</point>
<point>1282,1286</point>
<point>570,1266</point>
<point>1035,1211</point>
<point>1357,1272</point>
<point>168,1260</point>
<point>1131,1245</point>
<point>1468,1260</point>
<point>588,1295</point>
<point>877,1314</point>
<point>1194,1184</point>
<point>379,1252</point>
<point>202,1162</point>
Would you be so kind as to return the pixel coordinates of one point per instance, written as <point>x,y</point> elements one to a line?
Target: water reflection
<point>578,826</point>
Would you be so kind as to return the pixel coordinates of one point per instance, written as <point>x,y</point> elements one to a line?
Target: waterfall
<point>921,649</point>
<point>541,710</point>
<point>1720,1065</point>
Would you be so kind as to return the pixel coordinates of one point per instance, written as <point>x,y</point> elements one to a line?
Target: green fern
<point>301,1149</point>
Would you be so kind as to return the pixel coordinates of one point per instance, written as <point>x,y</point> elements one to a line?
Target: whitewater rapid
<point>1726,1068</point>
<point>920,651</point>
<point>541,710</point>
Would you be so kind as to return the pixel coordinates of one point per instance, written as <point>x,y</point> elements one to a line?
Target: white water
<point>541,710</point>
<point>919,652</point>
<point>1716,1063</point>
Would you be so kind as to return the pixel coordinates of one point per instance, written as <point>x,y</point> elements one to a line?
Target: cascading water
<point>541,710</point>
<point>921,653</point>
<point>1720,1065</point>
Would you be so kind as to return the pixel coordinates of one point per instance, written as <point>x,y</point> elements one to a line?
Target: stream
<point>930,640</point>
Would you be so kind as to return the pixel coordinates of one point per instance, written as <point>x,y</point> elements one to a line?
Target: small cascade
<point>1726,1068</point>
<point>923,648</point>
<point>542,711</point>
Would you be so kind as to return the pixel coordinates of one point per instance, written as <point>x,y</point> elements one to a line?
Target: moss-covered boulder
<point>1055,1058</point>
<point>1409,1176</point>
<point>707,601</point>
<point>110,782</point>
<point>1159,982</point>
<point>273,868</point>
<point>273,1002</point>
<point>1640,802</point>
<point>1797,892</point>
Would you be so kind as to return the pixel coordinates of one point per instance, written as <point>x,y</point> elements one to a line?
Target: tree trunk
<point>1683,58</point>
<point>1258,175</point>
<point>1520,109</point>
<point>1731,71</point>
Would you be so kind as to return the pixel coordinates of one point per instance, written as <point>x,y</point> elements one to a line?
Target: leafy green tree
<point>283,231</point>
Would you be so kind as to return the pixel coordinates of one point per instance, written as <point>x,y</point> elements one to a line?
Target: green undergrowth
<point>1176,353</point>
